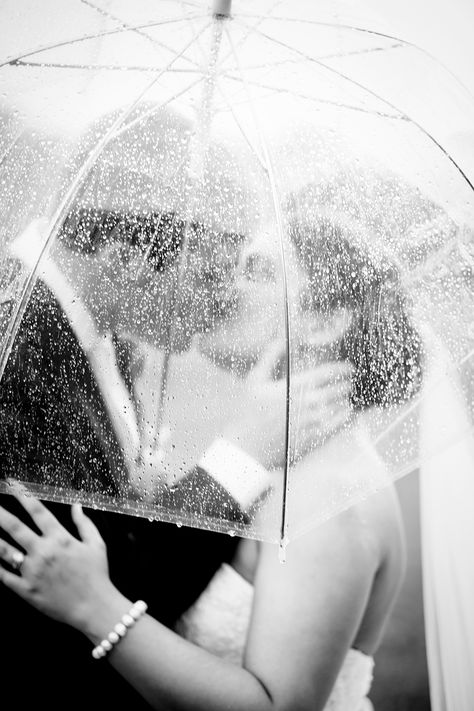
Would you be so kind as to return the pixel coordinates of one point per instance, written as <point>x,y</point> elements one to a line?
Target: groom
<point>67,419</point>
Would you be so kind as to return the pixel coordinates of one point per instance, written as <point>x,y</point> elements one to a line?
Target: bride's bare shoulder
<point>372,525</point>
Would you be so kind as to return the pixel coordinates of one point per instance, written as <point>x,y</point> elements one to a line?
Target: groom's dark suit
<point>54,429</point>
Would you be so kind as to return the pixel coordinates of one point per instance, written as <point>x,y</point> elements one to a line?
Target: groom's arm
<point>228,482</point>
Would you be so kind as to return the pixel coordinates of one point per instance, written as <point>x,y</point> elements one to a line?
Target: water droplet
<point>282,549</point>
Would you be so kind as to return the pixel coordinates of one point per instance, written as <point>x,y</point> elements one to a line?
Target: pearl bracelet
<point>120,630</point>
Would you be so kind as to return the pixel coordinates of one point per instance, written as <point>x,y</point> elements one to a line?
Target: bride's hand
<point>55,572</point>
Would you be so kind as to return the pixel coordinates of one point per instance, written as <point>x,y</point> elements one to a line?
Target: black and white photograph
<point>237,355</point>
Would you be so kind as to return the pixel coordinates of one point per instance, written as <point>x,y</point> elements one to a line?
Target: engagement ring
<point>17,561</point>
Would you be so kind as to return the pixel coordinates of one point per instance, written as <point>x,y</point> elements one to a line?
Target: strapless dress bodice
<point>219,619</point>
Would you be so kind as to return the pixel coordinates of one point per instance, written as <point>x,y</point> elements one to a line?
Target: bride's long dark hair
<point>381,341</point>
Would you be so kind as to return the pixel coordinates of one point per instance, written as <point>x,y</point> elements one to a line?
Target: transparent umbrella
<point>193,197</point>
<point>208,134</point>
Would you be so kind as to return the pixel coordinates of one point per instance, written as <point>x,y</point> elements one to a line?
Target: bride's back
<point>369,532</point>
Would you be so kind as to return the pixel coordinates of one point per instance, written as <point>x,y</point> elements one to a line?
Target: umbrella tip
<point>221,8</point>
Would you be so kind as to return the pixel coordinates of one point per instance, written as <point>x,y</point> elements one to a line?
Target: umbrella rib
<point>365,30</point>
<point>65,203</point>
<point>280,230</point>
<point>467,357</point>
<point>239,43</point>
<point>10,146</point>
<point>278,90</point>
<point>242,129</point>
<point>105,67</point>
<point>300,60</point>
<point>336,55</point>
<point>437,258</point>
<point>401,472</point>
<point>202,128</point>
<point>107,13</point>
<point>377,96</point>
<point>95,35</point>
<point>204,53</point>
<point>153,110</point>
<point>249,31</point>
<point>190,3</point>
<point>355,52</point>
<point>138,31</point>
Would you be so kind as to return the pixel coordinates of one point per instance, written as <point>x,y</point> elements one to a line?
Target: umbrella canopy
<point>189,139</point>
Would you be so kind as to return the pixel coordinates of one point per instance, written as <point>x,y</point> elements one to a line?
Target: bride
<point>264,635</point>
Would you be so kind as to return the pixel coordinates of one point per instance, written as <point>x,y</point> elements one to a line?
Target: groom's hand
<point>317,402</point>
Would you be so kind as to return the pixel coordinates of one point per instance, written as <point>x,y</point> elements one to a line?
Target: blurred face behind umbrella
<point>257,319</point>
<point>160,247</point>
<point>138,281</point>
<point>341,305</point>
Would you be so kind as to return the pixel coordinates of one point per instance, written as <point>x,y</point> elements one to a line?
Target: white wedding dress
<point>218,622</point>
